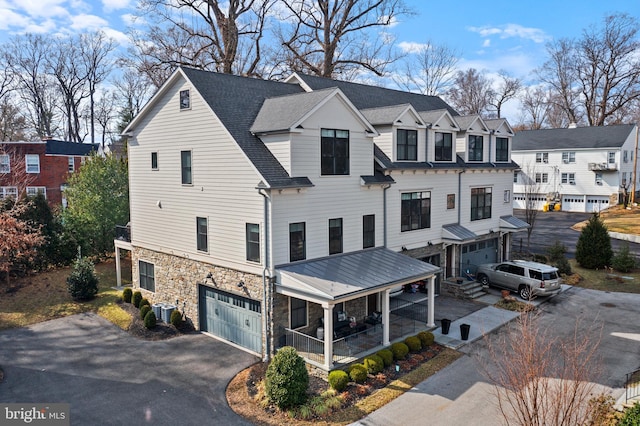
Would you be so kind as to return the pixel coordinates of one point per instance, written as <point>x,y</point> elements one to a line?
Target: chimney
<point>572,125</point>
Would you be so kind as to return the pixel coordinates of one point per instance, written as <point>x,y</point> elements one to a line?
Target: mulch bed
<point>161,331</point>
<point>245,386</point>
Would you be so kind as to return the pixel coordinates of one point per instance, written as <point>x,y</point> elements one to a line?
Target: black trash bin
<point>446,323</point>
<point>464,331</point>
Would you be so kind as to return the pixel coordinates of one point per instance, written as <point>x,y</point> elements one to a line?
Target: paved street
<point>552,226</point>
<point>461,395</point>
<point>111,378</point>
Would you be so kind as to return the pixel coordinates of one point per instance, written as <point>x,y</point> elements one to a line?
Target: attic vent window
<point>185,100</point>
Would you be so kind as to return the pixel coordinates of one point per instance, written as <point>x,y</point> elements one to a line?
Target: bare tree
<point>95,51</point>
<point>13,124</point>
<point>541,379</point>
<point>215,35</point>
<point>531,193</point>
<point>471,92</point>
<point>105,108</point>
<point>560,73</point>
<point>535,107</point>
<point>132,91</point>
<point>338,37</point>
<point>507,89</point>
<point>609,67</point>
<point>430,70</point>
<point>27,60</point>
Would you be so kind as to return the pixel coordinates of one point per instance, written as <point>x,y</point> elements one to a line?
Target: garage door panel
<point>231,317</point>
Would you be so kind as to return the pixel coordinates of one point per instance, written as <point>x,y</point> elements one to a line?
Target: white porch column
<point>328,336</point>
<point>385,318</point>
<point>431,302</point>
<point>118,268</point>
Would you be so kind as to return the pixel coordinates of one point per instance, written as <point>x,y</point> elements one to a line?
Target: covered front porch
<point>348,306</point>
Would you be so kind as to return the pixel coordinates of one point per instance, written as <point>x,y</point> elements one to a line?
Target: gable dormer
<point>473,139</point>
<point>501,135</point>
<point>441,136</point>
<point>401,135</point>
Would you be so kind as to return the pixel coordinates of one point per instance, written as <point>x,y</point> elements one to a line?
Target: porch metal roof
<point>457,232</point>
<point>513,223</point>
<point>338,276</point>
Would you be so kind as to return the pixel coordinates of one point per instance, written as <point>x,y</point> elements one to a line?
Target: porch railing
<point>307,346</point>
<point>123,233</point>
<point>632,385</point>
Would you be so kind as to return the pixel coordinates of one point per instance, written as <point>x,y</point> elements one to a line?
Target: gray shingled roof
<point>431,117</point>
<point>342,275</point>
<point>384,115</point>
<point>457,232</point>
<point>512,222</point>
<point>56,147</point>
<point>464,121</point>
<point>283,112</point>
<point>236,101</point>
<point>580,137</point>
<point>495,123</point>
<point>364,97</point>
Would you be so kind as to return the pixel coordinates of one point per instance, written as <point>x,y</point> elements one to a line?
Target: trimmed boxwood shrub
<point>136,299</point>
<point>374,364</point>
<point>386,355</point>
<point>150,320</point>
<point>400,350</point>
<point>413,343</point>
<point>631,416</point>
<point>126,295</point>
<point>338,380</point>
<point>144,301</point>
<point>176,318</point>
<point>426,338</point>
<point>358,373</point>
<point>287,379</point>
<point>144,310</point>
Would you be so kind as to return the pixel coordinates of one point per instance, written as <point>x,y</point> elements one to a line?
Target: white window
<point>542,157</point>
<point>5,163</point>
<point>624,176</point>
<point>542,177</point>
<point>507,195</point>
<point>598,178</point>
<point>72,164</point>
<point>515,177</point>
<point>185,100</point>
<point>625,156</point>
<point>32,191</point>
<point>33,163</point>
<point>569,157</point>
<point>612,157</point>
<point>569,178</point>
<point>8,191</point>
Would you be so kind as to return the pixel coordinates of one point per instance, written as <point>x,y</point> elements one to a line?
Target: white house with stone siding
<point>267,209</point>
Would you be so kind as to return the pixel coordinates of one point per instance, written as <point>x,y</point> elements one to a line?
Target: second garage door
<point>231,317</point>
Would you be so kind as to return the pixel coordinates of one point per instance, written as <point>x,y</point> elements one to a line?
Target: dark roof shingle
<point>576,138</point>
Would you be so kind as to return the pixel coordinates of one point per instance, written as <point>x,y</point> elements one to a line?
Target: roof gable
<point>391,115</point>
<point>500,126</point>
<point>441,118</point>
<point>577,138</point>
<point>472,123</point>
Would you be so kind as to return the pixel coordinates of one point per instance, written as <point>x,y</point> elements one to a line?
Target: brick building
<point>40,167</point>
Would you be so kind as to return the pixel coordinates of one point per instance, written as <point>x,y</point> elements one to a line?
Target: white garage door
<point>597,204</point>
<point>538,200</point>
<point>231,317</point>
<point>573,203</point>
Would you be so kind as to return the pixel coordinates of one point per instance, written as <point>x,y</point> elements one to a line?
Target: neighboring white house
<point>585,169</point>
<point>260,206</point>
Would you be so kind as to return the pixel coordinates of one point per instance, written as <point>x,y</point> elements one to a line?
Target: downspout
<point>460,194</point>
<point>266,276</point>
<point>384,213</point>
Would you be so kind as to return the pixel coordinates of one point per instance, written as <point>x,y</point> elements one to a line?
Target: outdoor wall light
<point>241,284</point>
<point>210,277</point>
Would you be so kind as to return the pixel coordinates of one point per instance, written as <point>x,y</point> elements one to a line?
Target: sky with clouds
<point>498,35</point>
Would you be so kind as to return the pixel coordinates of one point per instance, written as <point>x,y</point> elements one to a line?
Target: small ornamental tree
<point>287,379</point>
<point>83,282</point>
<point>593,250</point>
<point>624,261</point>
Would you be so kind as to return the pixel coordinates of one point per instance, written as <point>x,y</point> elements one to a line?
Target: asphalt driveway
<point>460,394</point>
<point>109,377</point>
<point>552,226</point>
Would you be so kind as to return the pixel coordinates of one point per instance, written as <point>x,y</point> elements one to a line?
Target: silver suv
<point>527,278</point>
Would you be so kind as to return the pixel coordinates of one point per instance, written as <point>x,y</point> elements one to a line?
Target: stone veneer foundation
<point>177,278</point>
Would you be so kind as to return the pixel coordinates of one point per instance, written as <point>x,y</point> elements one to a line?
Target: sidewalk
<point>482,321</point>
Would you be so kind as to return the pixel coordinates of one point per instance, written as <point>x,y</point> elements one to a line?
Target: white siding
<point>498,181</point>
<point>280,147</point>
<point>386,140</point>
<point>223,187</point>
<point>331,196</point>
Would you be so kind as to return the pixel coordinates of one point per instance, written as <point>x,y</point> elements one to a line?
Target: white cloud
<point>120,38</point>
<point>10,19</point>
<point>130,20</point>
<point>42,8</point>
<point>111,5</point>
<point>91,22</point>
<point>512,31</point>
<point>486,43</point>
<point>412,47</point>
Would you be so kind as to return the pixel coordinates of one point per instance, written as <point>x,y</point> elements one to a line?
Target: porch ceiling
<point>512,223</point>
<point>339,276</point>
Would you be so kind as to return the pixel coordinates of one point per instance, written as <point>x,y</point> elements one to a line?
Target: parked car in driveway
<point>527,278</point>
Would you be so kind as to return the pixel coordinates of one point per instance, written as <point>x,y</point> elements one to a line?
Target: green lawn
<point>606,280</point>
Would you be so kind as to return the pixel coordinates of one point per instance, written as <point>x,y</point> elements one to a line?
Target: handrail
<point>632,385</point>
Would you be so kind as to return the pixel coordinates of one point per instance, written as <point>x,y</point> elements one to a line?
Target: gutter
<point>267,279</point>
